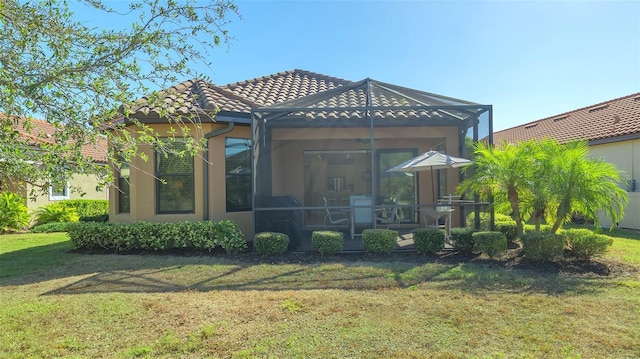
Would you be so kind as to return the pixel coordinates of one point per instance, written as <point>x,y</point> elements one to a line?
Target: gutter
<point>205,162</point>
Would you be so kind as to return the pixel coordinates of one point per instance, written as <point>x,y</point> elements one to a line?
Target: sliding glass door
<point>335,178</point>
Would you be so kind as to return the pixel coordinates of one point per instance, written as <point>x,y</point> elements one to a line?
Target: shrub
<point>56,212</point>
<point>228,235</point>
<point>532,228</point>
<point>462,239</point>
<point>100,218</point>
<point>428,240</point>
<point>88,208</point>
<point>585,244</point>
<point>189,236</point>
<point>509,229</point>
<point>50,227</point>
<point>490,243</point>
<point>270,243</point>
<point>542,246</point>
<point>485,218</point>
<point>327,242</point>
<point>13,212</point>
<point>379,240</point>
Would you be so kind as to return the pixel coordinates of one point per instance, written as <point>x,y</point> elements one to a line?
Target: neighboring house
<point>612,129</point>
<point>85,186</point>
<point>280,145</point>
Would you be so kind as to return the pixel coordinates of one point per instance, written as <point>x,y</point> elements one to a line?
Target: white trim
<point>65,194</point>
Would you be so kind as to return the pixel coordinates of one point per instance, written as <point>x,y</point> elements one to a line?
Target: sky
<point>529,60</point>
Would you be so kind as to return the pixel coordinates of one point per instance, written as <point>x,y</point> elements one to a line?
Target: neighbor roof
<point>603,122</point>
<point>39,132</point>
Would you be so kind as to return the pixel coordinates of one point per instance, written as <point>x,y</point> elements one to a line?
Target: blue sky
<point>529,60</point>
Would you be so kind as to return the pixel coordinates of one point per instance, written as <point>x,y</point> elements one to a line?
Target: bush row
<point>536,246</point>
<point>14,214</point>
<point>73,210</point>
<point>188,236</point>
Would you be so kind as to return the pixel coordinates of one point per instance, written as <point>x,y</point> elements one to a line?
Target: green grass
<point>57,303</point>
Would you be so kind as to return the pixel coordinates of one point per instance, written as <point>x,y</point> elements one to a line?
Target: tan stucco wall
<point>143,185</point>
<point>289,147</point>
<point>625,155</point>
<point>81,186</point>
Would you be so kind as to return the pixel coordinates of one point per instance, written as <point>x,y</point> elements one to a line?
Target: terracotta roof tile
<point>283,86</point>
<point>304,89</point>
<point>613,118</point>
<point>193,95</point>
<point>39,132</point>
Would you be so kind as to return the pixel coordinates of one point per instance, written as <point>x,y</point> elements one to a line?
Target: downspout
<point>205,164</point>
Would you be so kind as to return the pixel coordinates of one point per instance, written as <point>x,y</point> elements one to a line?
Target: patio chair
<point>335,217</point>
<point>388,215</point>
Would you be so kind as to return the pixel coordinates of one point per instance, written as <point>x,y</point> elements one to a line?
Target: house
<point>80,185</point>
<point>285,151</point>
<point>612,129</point>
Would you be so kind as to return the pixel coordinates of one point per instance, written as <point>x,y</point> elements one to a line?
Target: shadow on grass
<point>105,273</point>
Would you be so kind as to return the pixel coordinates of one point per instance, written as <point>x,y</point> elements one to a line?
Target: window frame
<point>249,175</point>
<point>159,185</point>
<point>65,193</point>
<point>123,182</point>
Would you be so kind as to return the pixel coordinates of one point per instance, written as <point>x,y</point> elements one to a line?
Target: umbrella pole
<point>433,188</point>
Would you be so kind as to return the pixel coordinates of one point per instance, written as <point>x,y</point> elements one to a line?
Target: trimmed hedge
<point>51,227</point>
<point>485,218</point>
<point>99,218</point>
<point>585,244</point>
<point>532,228</point>
<point>490,243</point>
<point>509,229</point>
<point>428,240</point>
<point>381,241</point>
<point>145,236</point>
<point>327,242</point>
<point>89,208</point>
<point>462,239</point>
<point>542,246</point>
<point>270,243</point>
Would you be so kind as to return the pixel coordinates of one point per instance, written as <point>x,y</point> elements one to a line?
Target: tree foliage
<point>545,180</point>
<point>78,76</point>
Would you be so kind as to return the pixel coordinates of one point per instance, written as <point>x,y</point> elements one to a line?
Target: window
<point>58,190</point>
<point>124,198</point>
<point>238,174</point>
<point>175,191</point>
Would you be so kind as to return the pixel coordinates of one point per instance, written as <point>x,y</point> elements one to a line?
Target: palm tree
<point>502,173</point>
<point>584,185</point>
<point>546,180</point>
<point>537,199</point>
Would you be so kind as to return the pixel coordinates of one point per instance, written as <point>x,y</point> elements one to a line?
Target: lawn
<point>57,303</point>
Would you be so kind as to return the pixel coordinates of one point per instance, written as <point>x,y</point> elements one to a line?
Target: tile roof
<point>39,132</point>
<point>302,89</point>
<point>284,86</point>
<point>388,102</point>
<point>190,95</point>
<point>603,121</point>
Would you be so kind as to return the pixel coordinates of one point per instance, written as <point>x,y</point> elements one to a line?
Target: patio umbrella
<point>429,161</point>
